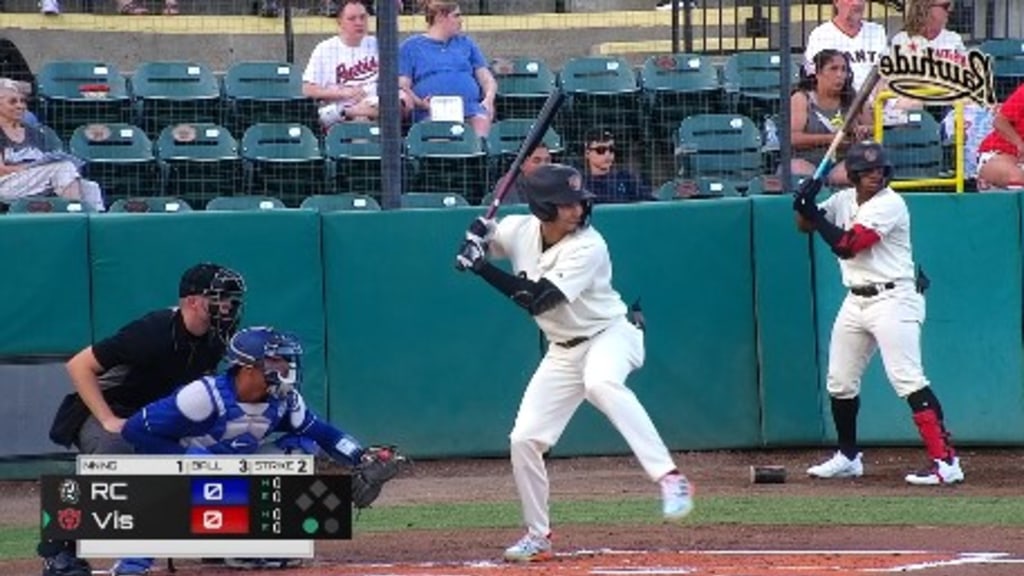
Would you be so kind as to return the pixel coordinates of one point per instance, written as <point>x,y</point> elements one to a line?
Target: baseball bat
<point>533,138</point>
<point>826,164</point>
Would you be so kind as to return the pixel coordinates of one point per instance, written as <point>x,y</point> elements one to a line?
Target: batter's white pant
<point>890,322</point>
<point>595,370</point>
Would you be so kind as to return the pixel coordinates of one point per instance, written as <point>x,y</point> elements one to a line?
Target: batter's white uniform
<point>865,49</point>
<point>891,320</point>
<point>595,369</point>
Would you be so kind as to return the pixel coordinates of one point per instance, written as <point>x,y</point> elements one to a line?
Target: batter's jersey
<point>891,259</point>
<point>579,265</point>
<point>865,49</point>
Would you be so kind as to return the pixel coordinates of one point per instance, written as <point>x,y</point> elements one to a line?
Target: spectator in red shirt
<point>1001,154</point>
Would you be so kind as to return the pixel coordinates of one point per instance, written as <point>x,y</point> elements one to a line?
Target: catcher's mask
<point>554,185</point>
<point>277,354</point>
<point>866,156</point>
<point>224,290</point>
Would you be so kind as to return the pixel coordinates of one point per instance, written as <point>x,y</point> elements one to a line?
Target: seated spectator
<point>817,107</point>
<point>924,26</point>
<point>445,62</point>
<point>864,43</point>
<point>1001,154</point>
<point>22,150</point>
<point>137,8</point>
<point>342,72</point>
<point>609,183</point>
<point>539,157</point>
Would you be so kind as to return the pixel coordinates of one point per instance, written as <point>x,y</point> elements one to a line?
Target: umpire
<point>145,360</point>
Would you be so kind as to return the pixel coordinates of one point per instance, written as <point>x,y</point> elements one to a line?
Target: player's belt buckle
<point>871,290</point>
<point>572,343</point>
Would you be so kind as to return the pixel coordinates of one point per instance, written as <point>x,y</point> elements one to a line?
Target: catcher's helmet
<point>225,290</point>
<point>554,185</point>
<point>865,156</point>
<point>277,353</point>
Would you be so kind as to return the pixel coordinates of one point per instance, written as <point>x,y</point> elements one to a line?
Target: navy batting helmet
<point>865,156</point>
<point>554,185</point>
<point>277,353</point>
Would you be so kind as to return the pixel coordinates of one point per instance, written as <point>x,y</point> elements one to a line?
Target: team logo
<point>69,491</point>
<point>575,182</point>
<point>871,154</point>
<point>96,133</point>
<point>184,133</point>
<point>69,518</point>
<point>939,76</point>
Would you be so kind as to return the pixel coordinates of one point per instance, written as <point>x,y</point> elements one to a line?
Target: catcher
<point>253,408</point>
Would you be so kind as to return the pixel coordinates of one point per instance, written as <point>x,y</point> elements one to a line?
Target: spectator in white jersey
<point>924,27</point>
<point>864,43</point>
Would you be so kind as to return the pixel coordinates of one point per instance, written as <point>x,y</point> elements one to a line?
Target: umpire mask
<point>224,290</point>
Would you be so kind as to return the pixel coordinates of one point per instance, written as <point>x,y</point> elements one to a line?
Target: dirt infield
<point>704,550</point>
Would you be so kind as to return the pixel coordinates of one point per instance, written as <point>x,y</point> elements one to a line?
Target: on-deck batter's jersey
<point>890,259</point>
<point>864,49</point>
<point>579,265</point>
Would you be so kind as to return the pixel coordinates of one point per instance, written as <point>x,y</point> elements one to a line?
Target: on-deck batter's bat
<point>829,161</point>
<point>533,138</point>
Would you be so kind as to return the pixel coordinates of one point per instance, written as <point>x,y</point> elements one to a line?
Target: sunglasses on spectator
<point>602,149</point>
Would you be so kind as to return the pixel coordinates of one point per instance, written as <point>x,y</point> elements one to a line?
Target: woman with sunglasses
<point>609,183</point>
<point>924,27</point>
<point>23,147</point>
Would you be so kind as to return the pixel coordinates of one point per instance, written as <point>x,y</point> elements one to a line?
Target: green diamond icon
<point>46,519</point>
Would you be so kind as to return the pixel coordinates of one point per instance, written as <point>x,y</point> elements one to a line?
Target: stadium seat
<point>353,152</point>
<point>752,82</point>
<point>156,204</point>
<point>725,146</point>
<point>284,161</point>
<point>675,86</point>
<point>119,157</point>
<point>772,185</point>
<point>506,138</point>
<point>77,92</point>
<point>433,200</point>
<point>244,203</point>
<point>169,93</point>
<point>47,205</point>
<point>447,157</point>
<point>524,83</point>
<point>489,197</point>
<point>602,91</point>
<point>677,189</point>
<point>1008,65</point>
<point>256,92</point>
<point>52,140</point>
<point>341,202</point>
<point>198,162</point>
<point>914,148</point>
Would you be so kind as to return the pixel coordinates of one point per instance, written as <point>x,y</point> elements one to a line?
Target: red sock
<point>934,435</point>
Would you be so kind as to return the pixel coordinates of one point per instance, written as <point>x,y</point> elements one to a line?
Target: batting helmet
<point>866,156</point>
<point>554,185</point>
<point>225,290</point>
<point>277,353</point>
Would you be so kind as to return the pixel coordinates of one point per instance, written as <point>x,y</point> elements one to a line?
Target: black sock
<point>844,415</point>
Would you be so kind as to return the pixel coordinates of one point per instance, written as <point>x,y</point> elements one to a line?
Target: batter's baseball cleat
<point>938,473</point>
<point>530,548</point>
<point>838,466</point>
<point>64,563</point>
<point>132,567</point>
<point>676,496</point>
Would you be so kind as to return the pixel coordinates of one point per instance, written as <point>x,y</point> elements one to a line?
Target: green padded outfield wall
<point>448,357</point>
<point>786,339</point>
<point>44,309</point>
<point>137,260</point>
<point>970,247</point>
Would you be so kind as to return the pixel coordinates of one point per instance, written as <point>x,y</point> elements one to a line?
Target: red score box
<point>220,520</point>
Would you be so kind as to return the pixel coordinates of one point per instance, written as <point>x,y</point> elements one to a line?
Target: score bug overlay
<point>184,507</point>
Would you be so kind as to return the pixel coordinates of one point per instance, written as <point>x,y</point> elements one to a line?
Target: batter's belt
<point>871,290</point>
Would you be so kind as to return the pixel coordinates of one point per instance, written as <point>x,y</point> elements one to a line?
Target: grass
<point>931,510</point>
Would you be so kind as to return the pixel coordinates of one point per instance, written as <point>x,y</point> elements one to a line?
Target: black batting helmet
<point>554,185</point>
<point>865,156</point>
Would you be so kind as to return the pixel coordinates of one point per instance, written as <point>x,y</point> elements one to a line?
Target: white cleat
<point>676,496</point>
<point>938,473</point>
<point>529,548</point>
<point>838,466</point>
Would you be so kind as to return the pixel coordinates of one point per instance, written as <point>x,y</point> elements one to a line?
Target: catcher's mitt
<point>379,465</point>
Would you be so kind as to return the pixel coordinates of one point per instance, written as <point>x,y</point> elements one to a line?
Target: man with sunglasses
<point>145,360</point>
<point>253,407</point>
<point>608,183</point>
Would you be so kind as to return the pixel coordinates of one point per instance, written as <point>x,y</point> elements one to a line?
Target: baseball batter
<point>562,278</point>
<point>868,228</point>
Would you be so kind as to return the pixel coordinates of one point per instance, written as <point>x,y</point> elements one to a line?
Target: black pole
<point>688,28</point>
<point>390,110</point>
<point>289,33</point>
<point>675,26</point>
<point>786,70</point>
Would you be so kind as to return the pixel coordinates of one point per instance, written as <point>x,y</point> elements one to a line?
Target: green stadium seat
<point>284,161</point>
<point>447,157</point>
<point>76,92</point>
<point>169,93</point>
<point>676,86</point>
<point>258,92</point>
<point>914,148</point>
<point>772,185</point>
<point>602,91</point>
<point>752,83</point>
<point>341,202</point>
<point>47,205</point>
<point>154,204</point>
<point>524,84</point>
<point>433,200</point>
<point>725,146</point>
<point>198,162</point>
<point>1008,65</point>
<point>353,152</point>
<point>489,197</point>
<point>506,138</point>
<point>677,189</point>
<point>119,157</point>
<point>52,140</point>
<point>245,203</point>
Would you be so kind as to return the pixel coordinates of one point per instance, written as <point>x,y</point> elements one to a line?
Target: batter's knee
<point>524,449</point>
<point>841,387</point>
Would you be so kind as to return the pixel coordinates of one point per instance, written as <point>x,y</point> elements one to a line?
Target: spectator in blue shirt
<point>609,183</point>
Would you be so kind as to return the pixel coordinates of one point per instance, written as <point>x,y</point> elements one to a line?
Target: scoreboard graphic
<point>183,506</point>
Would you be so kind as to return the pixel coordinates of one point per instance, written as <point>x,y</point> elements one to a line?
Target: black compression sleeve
<point>534,297</point>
